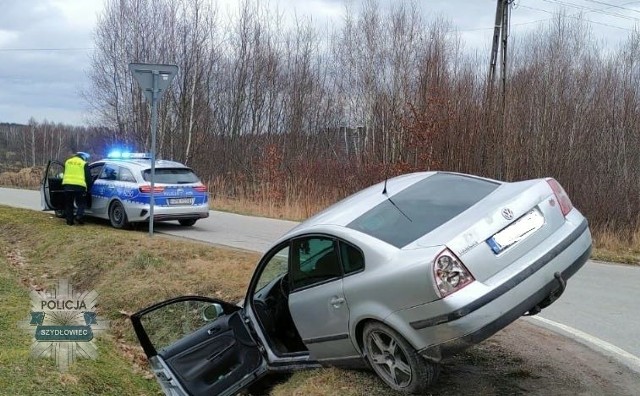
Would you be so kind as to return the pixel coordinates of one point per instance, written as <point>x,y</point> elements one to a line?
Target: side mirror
<point>212,312</point>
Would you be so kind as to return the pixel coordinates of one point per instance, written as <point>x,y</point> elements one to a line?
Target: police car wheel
<point>187,222</point>
<point>118,216</point>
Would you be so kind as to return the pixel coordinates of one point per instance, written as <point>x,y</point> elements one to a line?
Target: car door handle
<point>213,330</point>
<point>337,302</point>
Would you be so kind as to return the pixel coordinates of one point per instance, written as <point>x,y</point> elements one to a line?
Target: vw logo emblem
<point>507,213</point>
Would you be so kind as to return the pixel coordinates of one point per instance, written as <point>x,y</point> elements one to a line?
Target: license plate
<point>181,201</point>
<point>516,231</point>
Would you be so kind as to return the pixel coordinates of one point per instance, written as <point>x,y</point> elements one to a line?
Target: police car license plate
<point>181,201</point>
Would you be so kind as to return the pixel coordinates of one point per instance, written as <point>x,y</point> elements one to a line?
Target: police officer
<point>76,181</point>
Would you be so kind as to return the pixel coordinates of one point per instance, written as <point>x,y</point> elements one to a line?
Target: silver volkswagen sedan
<point>396,277</point>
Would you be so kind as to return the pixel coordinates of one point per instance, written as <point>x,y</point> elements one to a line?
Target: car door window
<point>109,172</point>
<point>95,171</point>
<point>125,175</point>
<point>352,258</point>
<point>169,324</point>
<point>274,269</point>
<point>313,260</point>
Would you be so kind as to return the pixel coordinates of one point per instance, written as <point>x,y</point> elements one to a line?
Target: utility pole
<point>500,41</point>
<point>499,47</point>
<point>496,40</point>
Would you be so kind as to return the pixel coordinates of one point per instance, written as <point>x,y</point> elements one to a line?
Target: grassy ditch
<point>127,269</point>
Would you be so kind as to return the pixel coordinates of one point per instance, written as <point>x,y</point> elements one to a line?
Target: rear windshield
<point>421,208</point>
<point>172,176</point>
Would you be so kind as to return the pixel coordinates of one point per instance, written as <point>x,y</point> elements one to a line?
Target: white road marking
<point>631,360</point>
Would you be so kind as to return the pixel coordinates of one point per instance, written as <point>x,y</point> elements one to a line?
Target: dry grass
<point>25,178</point>
<point>616,246</point>
<point>287,211</point>
<point>282,200</point>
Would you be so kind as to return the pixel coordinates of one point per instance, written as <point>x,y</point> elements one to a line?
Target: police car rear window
<point>172,176</point>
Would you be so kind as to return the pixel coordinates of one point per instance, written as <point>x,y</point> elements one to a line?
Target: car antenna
<point>384,192</point>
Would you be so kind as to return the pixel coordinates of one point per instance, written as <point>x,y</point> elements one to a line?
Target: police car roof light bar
<point>117,154</point>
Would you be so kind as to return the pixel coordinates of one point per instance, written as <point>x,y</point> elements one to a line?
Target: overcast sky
<point>45,45</point>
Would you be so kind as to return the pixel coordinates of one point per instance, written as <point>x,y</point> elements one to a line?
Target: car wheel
<point>118,216</point>
<point>187,222</point>
<point>395,361</point>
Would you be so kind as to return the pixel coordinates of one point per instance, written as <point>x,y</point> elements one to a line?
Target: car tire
<point>395,361</point>
<point>187,222</point>
<point>118,216</point>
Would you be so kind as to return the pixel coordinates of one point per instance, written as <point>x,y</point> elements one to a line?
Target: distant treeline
<point>268,108</point>
<point>33,144</point>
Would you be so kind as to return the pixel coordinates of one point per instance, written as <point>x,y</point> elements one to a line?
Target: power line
<point>578,18</point>
<point>44,49</point>
<point>574,16</point>
<point>617,6</point>
<point>588,9</point>
<point>519,4</point>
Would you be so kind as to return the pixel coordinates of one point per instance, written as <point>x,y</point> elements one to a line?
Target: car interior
<point>271,305</point>
<point>56,196</point>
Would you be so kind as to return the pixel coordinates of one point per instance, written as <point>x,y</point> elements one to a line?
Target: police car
<point>121,190</point>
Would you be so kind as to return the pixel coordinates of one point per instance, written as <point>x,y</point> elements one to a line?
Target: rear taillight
<point>201,188</point>
<point>561,196</point>
<point>450,274</point>
<point>147,189</point>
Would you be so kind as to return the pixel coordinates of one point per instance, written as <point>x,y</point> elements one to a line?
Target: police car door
<point>199,346</point>
<point>51,191</point>
<point>103,188</point>
<point>94,169</point>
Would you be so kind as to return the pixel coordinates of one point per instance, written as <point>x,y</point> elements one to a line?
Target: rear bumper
<point>443,327</point>
<point>140,213</point>
<point>448,348</point>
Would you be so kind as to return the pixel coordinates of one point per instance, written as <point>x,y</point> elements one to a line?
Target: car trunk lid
<point>176,187</point>
<point>499,229</point>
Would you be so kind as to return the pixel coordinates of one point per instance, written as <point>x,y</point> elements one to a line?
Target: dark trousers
<point>74,194</point>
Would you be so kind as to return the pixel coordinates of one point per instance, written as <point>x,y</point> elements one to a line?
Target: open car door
<point>199,346</point>
<point>51,191</point>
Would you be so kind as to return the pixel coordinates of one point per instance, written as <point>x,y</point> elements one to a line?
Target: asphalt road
<point>600,307</point>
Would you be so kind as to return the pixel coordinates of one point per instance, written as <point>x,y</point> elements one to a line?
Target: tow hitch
<point>551,298</point>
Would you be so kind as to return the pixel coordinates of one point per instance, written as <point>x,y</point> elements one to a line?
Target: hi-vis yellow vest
<point>74,172</point>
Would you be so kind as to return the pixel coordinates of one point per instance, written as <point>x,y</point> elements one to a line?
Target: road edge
<point>627,359</point>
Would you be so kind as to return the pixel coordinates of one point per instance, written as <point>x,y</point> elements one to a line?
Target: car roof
<point>352,207</point>
<point>347,210</point>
